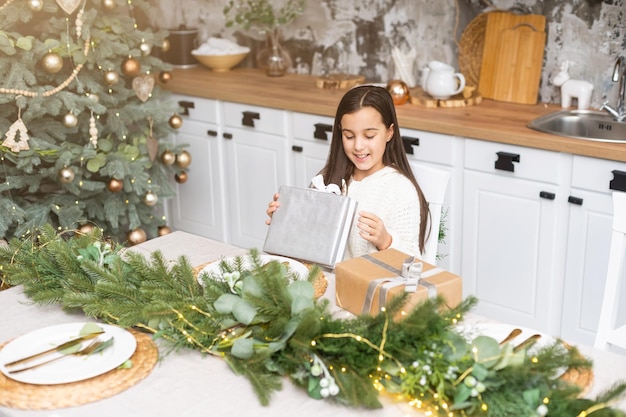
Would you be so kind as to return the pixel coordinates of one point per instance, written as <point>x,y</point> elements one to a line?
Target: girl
<point>367,155</point>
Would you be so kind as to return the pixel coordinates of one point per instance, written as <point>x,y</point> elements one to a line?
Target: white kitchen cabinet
<point>312,135</point>
<point>511,232</point>
<point>198,206</point>
<point>588,240</point>
<point>446,153</point>
<point>256,154</point>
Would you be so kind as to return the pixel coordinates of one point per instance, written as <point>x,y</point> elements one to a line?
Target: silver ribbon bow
<point>410,276</point>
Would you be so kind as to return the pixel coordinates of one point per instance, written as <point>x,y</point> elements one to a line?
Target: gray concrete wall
<point>357,36</point>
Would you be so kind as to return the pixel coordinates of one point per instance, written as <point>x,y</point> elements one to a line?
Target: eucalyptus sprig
<point>261,14</point>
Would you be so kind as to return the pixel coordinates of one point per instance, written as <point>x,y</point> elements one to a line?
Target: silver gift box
<point>310,225</point>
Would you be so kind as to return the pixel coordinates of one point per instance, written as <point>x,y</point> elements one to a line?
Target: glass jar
<point>274,58</point>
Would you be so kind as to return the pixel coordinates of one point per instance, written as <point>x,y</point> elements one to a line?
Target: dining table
<point>187,383</point>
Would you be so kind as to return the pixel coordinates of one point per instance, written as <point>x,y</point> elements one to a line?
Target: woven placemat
<point>16,394</point>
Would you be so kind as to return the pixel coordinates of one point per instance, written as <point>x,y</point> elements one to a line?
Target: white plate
<point>71,368</point>
<point>499,331</point>
<point>214,270</point>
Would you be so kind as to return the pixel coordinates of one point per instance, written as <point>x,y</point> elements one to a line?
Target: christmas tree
<point>84,125</point>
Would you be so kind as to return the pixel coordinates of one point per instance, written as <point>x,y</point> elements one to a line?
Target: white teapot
<point>440,81</point>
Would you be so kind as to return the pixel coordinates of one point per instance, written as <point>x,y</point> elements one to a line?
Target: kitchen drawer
<point>259,119</point>
<point>196,108</point>
<point>597,174</point>
<point>312,127</point>
<point>429,147</point>
<point>514,161</point>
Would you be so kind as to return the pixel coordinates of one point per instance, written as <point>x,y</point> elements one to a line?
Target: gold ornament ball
<point>115,185</point>
<point>150,199</point>
<point>131,66</point>
<point>399,91</point>
<point>86,228</point>
<point>164,230</point>
<point>165,76</point>
<point>70,120</point>
<point>165,46</point>
<point>109,4</point>
<point>176,121</point>
<point>145,48</point>
<point>181,177</point>
<point>168,157</point>
<point>183,159</point>
<point>137,236</point>
<point>111,77</point>
<point>66,175</point>
<point>52,63</point>
<point>35,5</point>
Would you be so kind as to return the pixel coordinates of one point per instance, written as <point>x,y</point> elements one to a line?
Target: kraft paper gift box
<point>363,285</point>
<point>310,225</point>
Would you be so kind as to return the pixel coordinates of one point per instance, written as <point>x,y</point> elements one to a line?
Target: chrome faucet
<point>619,74</point>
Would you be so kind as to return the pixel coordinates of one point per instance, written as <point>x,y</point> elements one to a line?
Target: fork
<point>92,346</point>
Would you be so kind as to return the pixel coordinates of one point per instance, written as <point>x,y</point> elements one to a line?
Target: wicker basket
<point>471,49</point>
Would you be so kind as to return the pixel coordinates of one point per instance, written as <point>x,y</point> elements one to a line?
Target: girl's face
<point>364,137</point>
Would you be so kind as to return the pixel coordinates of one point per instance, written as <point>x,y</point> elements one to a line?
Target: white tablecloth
<point>188,384</point>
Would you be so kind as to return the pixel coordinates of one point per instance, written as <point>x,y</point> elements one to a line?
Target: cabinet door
<point>198,206</point>
<point>589,238</point>
<point>256,167</point>
<point>309,158</point>
<point>509,235</point>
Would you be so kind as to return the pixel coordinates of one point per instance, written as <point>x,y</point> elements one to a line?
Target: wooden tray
<point>469,97</point>
<point>339,81</point>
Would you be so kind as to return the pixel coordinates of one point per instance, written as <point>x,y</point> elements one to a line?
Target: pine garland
<point>266,323</point>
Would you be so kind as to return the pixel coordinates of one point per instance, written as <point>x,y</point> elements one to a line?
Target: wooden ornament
<point>137,236</point>
<point>143,85</point>
<point>69,6</point>
<point>131,66</point>
<point>17,130</point>
<point>153,147</point>
<point>183,159</point>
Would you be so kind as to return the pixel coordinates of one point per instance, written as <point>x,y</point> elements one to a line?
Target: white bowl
<point>221,63</point>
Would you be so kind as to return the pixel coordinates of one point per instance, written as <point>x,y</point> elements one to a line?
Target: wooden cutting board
<point>512,57</point>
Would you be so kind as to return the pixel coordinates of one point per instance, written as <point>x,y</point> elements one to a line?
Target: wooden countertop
<point>490,120</point>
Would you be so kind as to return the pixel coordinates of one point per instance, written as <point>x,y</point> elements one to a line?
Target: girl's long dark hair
<point>339,168</point>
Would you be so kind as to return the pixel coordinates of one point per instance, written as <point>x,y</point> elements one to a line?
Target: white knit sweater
<point>391,196</point>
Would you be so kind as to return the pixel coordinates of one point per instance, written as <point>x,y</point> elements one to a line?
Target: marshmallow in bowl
<point>219,46</point>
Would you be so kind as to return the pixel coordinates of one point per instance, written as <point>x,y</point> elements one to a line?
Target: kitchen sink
<point>582,124</point>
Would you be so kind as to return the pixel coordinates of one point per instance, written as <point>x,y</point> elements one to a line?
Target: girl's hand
<point>271,208</point>
<point>372,229</point>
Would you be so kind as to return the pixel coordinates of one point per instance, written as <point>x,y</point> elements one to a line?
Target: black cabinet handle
<point>297,148</point>
<point>227,135</point>
<point>618,183</point>
<point>186,105</point>
<point>321,129</point>
<point>505,161</point>
<point>575,200</point>
<point>547,195</point>
<point>409,142</point>
<point>211,132</point>
<point>248,118</point>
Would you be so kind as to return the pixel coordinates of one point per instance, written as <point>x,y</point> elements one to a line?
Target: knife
<point>62,346</point>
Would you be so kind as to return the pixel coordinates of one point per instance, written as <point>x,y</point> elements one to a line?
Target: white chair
<point>434,183</point>
<point>609,334</point>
